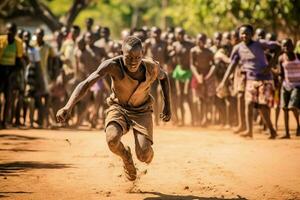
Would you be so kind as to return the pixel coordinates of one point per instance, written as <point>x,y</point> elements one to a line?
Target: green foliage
<point>193,15</point>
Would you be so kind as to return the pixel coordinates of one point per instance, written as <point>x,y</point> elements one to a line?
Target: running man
<point>130,103</point>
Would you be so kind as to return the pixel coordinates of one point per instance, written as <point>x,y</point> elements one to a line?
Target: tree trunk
<point>78,5</point>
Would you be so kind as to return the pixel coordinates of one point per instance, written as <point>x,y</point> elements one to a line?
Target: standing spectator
<point>32,83</point>
<point>11,53</point>
<point>259,80</point>
<point>156,49</point>
<point>182,73</point>
<point>68,57</point>
<point>46,60</point>
<point>203,81</point>
<point>290,94</point>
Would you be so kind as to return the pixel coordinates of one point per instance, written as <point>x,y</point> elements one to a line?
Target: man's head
<point>271,37</point>
<point>226,38</point>
<point>89,38</point>
<point>26,37</point>
<point>105,33</point>
<point>179,34</point>
<point>171,38</point>
<point>80,43</point>
<point>234,37</point>
<point>201,40</point>
<point>59,37</point>
<point>39,35</point>
<point>260,33</point>
<point>246,33</point>
<point>132,53</point>
<point>11,31</point>
<point>287,45</point>
<point>89,23</point>
<point>217,39</point>
<point>75,31</point>
<point>20,33</point>
<point>64,30</point>
<point>155,32</point>
<point>209,43</point>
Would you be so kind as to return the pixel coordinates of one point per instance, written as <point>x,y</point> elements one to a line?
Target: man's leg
<point>264,111</point>
<point>277,112</point>
<point>143,149</point>
<point>249,120</point>
<point>113,138</point>
<point>204,105</point>
<point>296,115</point>
<point>180,94</point>
<point>174,101</point>
<point>286,124</point>
<point>228,113</point>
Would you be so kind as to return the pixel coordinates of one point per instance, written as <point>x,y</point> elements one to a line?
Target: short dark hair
<point>40,31</point>
<point>12,26</point>
<point>76,28</point>
<point>133,42</point>
<point>248,26</point>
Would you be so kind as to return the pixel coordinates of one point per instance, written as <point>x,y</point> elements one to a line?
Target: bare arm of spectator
<point>194,70</point>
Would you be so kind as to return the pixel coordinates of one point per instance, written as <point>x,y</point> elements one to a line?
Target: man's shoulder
<point>194,49</point>
<point>208,51</point>
<point>238,46</point>
<point>115,61</point>
<point>151,64</point>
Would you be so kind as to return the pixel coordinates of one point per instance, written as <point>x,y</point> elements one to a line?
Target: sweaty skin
<point>135,69</point>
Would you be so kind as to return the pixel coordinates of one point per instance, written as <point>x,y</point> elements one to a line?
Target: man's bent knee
<point>113,134</point>
<point>145,154</point>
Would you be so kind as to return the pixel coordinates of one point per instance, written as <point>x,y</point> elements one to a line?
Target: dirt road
<point>204,164</point>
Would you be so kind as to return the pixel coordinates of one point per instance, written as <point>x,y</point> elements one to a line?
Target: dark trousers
<point>6,86</point>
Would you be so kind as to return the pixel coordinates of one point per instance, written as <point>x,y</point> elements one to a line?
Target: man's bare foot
<point>227,127</point>
<point>273,134</point>
<point>285,137</point>
<point>246,134</point>
<point>203,123</point>
<point>129,168</point>
<point>239,130</point>
<point>298,131</point>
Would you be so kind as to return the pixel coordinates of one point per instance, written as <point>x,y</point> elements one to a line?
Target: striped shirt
<point>291,71</point>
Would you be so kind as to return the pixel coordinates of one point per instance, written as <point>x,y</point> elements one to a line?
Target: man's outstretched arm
<point>81,90</point>
<point>165,85</point>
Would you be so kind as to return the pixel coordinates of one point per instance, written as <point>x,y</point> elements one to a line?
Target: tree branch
<point>78,5</point>
<point>45,15</point>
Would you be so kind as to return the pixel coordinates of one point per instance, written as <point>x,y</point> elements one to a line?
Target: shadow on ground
<point>5,194</point>
<point>16,167</point>
<point>161,196</point>
<point>20,150</point>
<point>18,137</point>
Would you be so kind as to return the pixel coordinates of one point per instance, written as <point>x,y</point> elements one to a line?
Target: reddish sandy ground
<point>189,163</point>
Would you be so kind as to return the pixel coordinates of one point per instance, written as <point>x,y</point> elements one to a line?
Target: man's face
<point>245,34</point>
<point>132,58</point>
<point>75,33</point>
<point>155,34</point>
<point>89,23</point>
<point>11,32</point>
<point>89,39</point>
<point>26,37</point>
<point>287,46</point>
<point>179,35</point>
<point>39,37</point>
<point>201,41</point>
